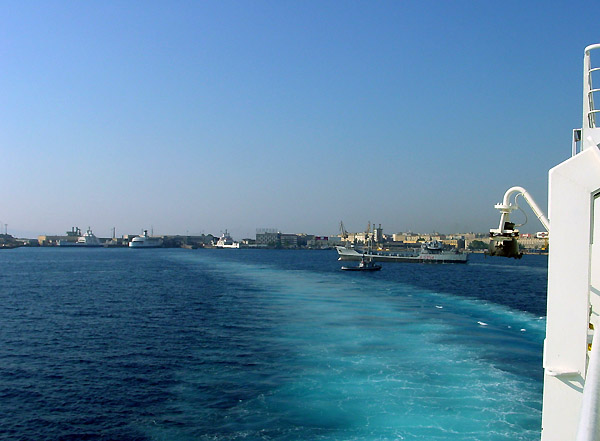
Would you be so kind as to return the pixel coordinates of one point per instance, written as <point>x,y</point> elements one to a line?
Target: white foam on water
<point>374,360</point>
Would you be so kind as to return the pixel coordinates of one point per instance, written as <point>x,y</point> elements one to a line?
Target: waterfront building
<point>289,240</point>
<point>268,237</point>
<point>50,241</point>
<point>378,234</point>
<point>398,237</point>
<point>323,242</point>
<point>454,243</point>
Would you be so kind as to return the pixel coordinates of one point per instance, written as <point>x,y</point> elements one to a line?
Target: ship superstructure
<point>571,403</point>
<point>88,239</point>
<point>571,352</point>
<point>145,241</point>
<point>225,241</point>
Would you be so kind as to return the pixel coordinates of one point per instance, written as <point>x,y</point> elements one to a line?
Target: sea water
<point>170,344</point>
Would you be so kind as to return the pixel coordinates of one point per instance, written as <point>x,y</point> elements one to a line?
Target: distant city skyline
<point>204,116</point>
<point>150,231</point>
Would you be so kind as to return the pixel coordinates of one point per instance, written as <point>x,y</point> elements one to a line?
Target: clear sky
<point>192,117</point>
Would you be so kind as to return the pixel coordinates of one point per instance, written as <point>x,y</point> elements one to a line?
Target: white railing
<point>589,422</point>
<point>590,125</point>
<point>589,112</point>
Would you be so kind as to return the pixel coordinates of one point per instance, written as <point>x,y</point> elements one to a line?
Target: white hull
<point>234,245</point>
<point>64,244</point>
<point>350,254</point>
<point>148,243</point>
<point>144,245</point>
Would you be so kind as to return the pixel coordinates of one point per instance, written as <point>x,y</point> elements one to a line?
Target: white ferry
<point>430,252</point>
<point>225,241</point>
<point>88,239</point>
<point>145,241</point>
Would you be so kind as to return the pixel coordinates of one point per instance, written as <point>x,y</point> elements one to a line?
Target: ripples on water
<point>276,345</point>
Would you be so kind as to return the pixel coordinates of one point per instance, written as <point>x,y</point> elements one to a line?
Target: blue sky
<point>193,117</point>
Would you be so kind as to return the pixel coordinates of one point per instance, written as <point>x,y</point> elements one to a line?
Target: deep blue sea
<point>173,344</point>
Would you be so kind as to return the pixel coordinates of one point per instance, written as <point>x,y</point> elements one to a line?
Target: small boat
<point>364,265</point>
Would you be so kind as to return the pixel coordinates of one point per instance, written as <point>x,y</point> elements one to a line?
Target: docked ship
<point>145,241</point>
<point>225,241</point>
<point>88,239</point>
<point>430,252</point>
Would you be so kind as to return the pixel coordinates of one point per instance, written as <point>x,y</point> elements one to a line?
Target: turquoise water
<point>266,344</point>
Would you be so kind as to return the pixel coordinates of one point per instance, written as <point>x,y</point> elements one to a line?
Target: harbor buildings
<point>273,238</point>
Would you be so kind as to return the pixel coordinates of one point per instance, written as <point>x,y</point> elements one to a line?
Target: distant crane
<point>343,231</point>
